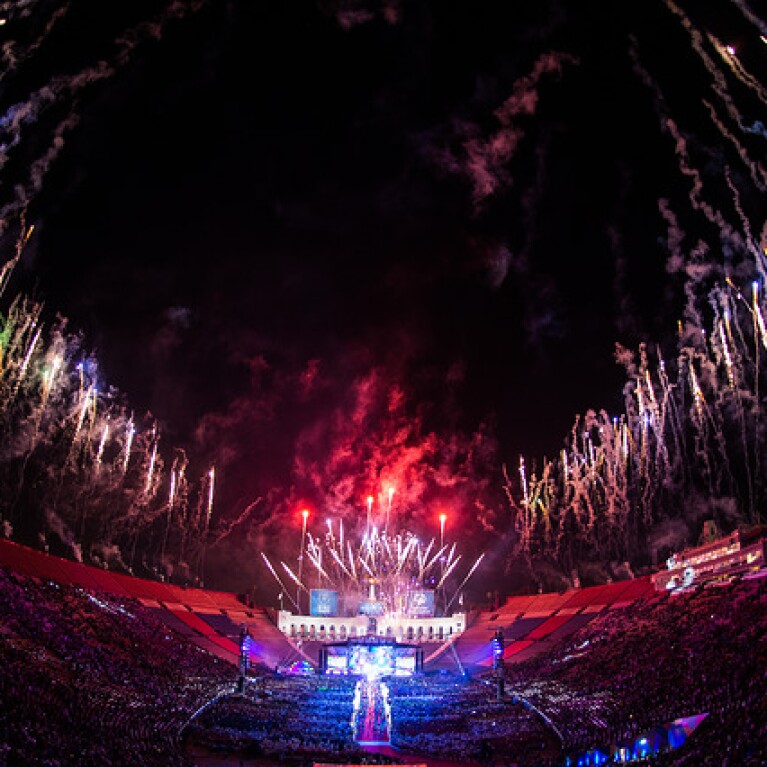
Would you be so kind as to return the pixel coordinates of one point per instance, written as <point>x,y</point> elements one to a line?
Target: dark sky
<point>265,207</point>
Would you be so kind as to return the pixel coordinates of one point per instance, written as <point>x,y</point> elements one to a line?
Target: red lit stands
<point>193,621</point>
<point>530,624</point>
<point>637,589</point>
<point>224,600</point>
<point>473,646</point>
<point>212,641</point>
<point>222,624</point>
<point>211,619</point>
<point>170,620</point>
<point>546,604</point>
<point>36,564</point>
<point>595,598</point>
<point>220,647</point>
<point>106,581</point>
<point>196,599</point>
<point>516,647</point>
<point>517,605</point>
<point>548,626</point>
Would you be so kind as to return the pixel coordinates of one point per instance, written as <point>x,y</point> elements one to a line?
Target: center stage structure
<point>401,628</point>
<point>371,657</point>
<point>390,587</point>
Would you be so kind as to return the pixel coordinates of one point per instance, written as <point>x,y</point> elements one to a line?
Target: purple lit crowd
<point>675,655</point>
<point>305,717</point>
<point>88,679</point>
<point>452,718</point>
<point>92,680</point>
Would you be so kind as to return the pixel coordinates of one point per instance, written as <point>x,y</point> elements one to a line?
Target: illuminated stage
<point>389,585</point>
<point>371,657</point>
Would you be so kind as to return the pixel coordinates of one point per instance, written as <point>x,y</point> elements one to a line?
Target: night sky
<point>310,236</point>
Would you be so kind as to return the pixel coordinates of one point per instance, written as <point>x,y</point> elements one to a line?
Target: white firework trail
<point>130,433</point>
<point>285,590</point>
<point>172,489</point>
<point>84,405</point>
<point>27,357</point>
<point>758,314</point>
<point>465,580</point>
<point>49,378</point>
<point>150,470</point>
<point>434,559</point>
<point>448,572</point>
<point>730,57</point>
<point>211,487</point>
<point>294,577</point>
<point>523,476</point>
<point>726,352</point>
<point>102,445</point>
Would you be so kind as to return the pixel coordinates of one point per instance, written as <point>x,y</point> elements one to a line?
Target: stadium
<point>498,263</point>
<point>105,668</point>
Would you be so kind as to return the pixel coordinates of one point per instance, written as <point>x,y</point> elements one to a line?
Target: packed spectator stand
<point>100,668</point>
<point>668,656</point>
<point>94,680</point>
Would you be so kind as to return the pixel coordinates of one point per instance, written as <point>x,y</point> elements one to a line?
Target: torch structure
<point>442,520</point>
<point>370,512</point>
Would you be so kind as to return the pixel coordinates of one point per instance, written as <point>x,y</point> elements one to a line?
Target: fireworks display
<point>690,442</point>
<point>76,463</point>
<point>381,565</point>
<point>340,354</point>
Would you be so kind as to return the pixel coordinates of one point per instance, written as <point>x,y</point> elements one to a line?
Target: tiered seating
<point>273,648</point>
<point>284,716</point>
<point>193,620</point>
<point>94,680</point>
<point>224,600</point>
<point>572,625</point>
<point>594,597</point>
<point>630,672</point>
<point>194,613</point>
<point>546,604</point>
<point>444,658</point>
<point>548,626</point>
<point>213,619</point>
<point>169,619</point>
<point>516,647</point>
<point>146,591</point>
<point>449,718</point>
<point>221,624</point>
<point>639,588</point>
<point>530,624</point>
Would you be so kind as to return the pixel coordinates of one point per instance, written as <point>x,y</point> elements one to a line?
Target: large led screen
<point>420,604</point>
<point>323,602</point>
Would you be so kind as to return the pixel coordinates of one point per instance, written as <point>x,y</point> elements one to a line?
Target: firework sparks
<point>211,487</point>
<point>102,445</point>
<point>150,470</point>
<point>391,567</point>
<point>130,433</point>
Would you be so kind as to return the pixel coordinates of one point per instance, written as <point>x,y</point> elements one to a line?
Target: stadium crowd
<point>92,679</point>
<point>450,717</point>
<point>300,716</point>
<point>676,655</point>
